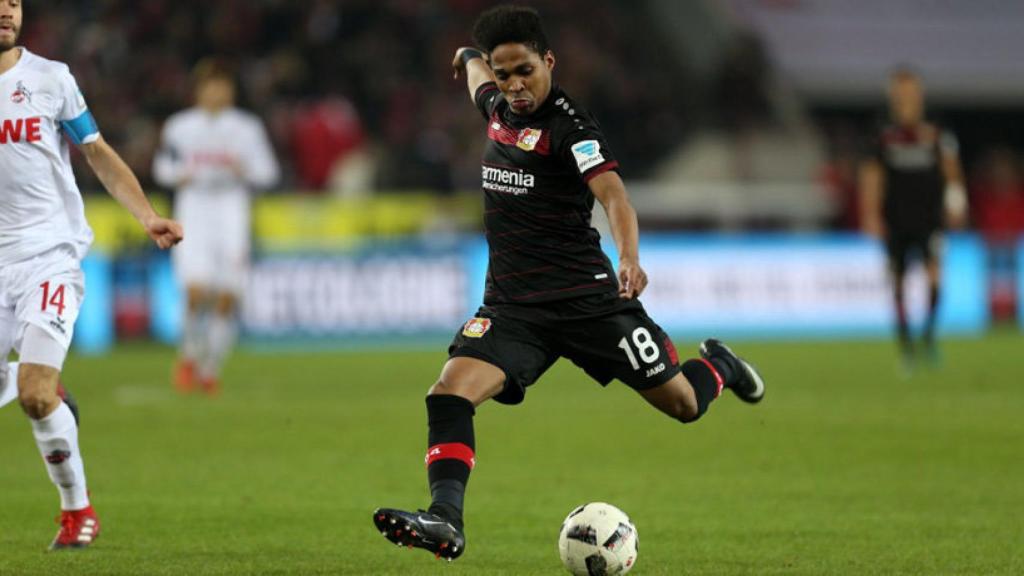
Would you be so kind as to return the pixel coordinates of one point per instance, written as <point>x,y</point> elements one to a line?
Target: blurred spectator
<point>324,134</point>
<point>741,96</point>
<point>838,176</point>
<point>998,197</point>
<point>998,207</point>
<point>377,72</point>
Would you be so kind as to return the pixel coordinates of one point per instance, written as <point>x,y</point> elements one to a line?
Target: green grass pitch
<point>846,468</point>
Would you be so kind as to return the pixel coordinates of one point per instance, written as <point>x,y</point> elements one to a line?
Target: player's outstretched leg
<point>420,530</point>
<point>450,459</point>
<point>742,378</point>
<point>451,455</point>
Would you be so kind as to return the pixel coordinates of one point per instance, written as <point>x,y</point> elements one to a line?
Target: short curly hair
<point>510,23</point>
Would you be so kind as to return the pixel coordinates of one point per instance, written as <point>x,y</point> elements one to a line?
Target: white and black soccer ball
<point>598,539</point>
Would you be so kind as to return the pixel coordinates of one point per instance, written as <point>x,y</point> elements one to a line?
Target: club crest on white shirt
<point>21,93</point>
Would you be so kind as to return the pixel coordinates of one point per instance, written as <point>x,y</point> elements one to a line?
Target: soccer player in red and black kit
<point>911,187</point>
<point>551,292</point>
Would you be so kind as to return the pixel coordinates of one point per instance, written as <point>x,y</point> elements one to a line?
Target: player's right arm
<point>871,179</point>
<point>121,183</point>
<point>470,62</point>
<point>955,194</point>
<point>80,128</point>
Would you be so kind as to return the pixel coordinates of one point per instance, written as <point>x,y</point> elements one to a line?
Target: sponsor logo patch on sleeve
<point>476,327</point>
<point>587,154</point>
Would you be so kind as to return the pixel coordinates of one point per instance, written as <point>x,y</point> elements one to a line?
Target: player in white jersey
<point>43,237</point>
<point>214,155</point>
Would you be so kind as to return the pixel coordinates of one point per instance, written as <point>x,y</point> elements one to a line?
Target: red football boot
<point>211,386</point>
<point>78,529</point>
<point>185,376</point>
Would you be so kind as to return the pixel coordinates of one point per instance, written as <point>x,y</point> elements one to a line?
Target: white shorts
<point>46,292</point>
<point>215,252</point>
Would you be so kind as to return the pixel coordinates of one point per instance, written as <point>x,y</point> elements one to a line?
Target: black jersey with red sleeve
<point>911,157</point>
<point>537,204</point>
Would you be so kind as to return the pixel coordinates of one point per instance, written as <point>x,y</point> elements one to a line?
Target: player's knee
<point>195,297</point>
<point>685,412</point>
<point>675,399</point>
<point>469,378</point>
<point>690,416</point>
<point>37,390</point>
<point>439,387</point>
<point>452,387</point>
<point>225,304</point>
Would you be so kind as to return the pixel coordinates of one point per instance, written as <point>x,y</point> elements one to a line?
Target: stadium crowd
<point>359,78</point>
<point>366,84</point>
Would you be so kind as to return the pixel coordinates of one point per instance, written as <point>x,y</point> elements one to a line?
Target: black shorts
<point>622,342</point>
<point>903,248</point>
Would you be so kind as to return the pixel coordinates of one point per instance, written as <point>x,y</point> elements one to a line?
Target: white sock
<point>57,438</point>
<point>193,338</point>
<point>221,338</point>
<point>8,383</point>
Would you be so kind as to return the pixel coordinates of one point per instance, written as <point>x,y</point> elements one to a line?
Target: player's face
<point>523,75</point>
<point>906,99</point>
<point>216,93</point>
<point>10,23</point>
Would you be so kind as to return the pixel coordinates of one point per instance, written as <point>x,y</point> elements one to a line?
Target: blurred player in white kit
<point>214,155</point>
<point>43,238</point>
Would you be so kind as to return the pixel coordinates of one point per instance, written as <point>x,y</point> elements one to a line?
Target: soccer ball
<point>597,539</point>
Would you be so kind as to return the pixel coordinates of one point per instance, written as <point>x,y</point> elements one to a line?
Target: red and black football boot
<point>748,384</point>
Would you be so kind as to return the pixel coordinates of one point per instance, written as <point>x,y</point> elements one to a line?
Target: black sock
<point>707,383</point>
<point>725,369</point>
<point>903,324</point>
<point>450,454</point>
<point>933,308</point>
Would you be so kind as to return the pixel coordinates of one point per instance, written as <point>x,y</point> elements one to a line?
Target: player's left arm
<point>122,184</point>
<point>955,193</point>
<point>609,190</point>
<point>259,168</point>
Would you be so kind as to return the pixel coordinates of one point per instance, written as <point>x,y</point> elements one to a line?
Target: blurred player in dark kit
<point>551,292</point>
<point>911,189</point>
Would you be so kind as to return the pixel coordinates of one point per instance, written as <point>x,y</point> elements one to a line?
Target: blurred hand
<point>632,279</point>
<point>163,231</point>
<point>956,220</point>
<point>457,65</point>
<point>237,168</point>
<point>873,227</point>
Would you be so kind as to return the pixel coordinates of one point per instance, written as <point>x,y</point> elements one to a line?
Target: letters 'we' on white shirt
<point>41,109</point>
